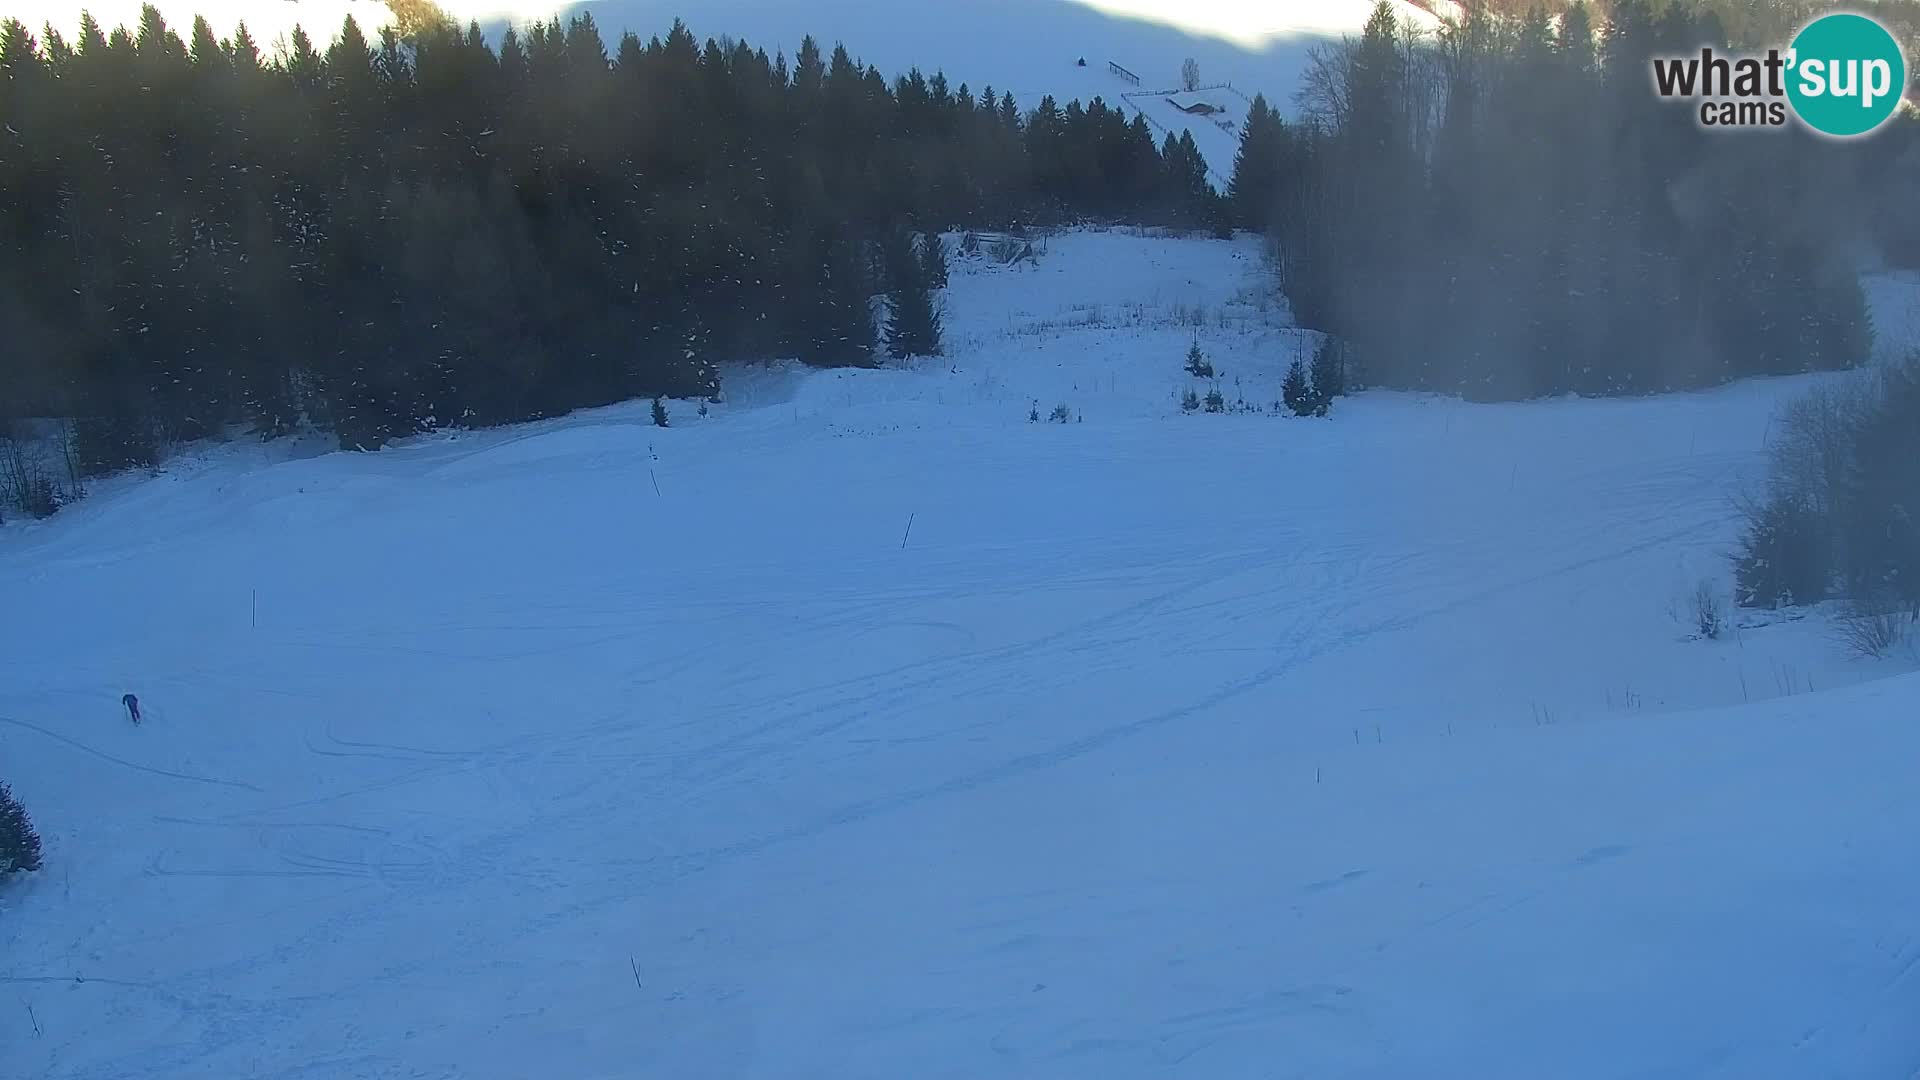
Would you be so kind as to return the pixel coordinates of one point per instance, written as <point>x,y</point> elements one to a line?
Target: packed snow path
<point>1162,745</point>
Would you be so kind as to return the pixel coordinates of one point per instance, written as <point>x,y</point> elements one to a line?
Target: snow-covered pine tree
<point>933,261</point>
<point>913,320</point>
<point>1329,369</point>
<point>19,844</point>
<point>1254,187</point>
<point>1198,365</point>
<point>1297,392</point>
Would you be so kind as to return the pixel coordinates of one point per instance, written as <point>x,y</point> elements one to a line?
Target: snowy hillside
<point>1030,48</point>
<point>865,728</point>
<point>1026,46</point>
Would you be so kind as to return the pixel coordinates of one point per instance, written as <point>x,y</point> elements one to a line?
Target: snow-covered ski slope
<point>1030,48</point>
<point>864,728</point>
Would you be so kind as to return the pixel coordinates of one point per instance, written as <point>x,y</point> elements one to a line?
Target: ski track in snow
<point>104,756</point>
<point>1168,745</point>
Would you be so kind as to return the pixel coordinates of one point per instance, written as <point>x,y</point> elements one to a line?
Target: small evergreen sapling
<point>1296,391</point>
<point>19,844</point>
<point>1190,401</point>
<point>1198,365</point>
<point>660,413</point>
<point>1215,401</point>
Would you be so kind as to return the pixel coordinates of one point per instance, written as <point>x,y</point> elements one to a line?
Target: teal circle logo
<point>1847,75</point>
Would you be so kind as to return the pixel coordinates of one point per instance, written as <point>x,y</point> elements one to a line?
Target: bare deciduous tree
<point>25,483</point>
<point>1190,74</point>
<point>1322,97</point>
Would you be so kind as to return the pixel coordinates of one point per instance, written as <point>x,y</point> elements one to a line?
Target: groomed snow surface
<point>1160,745</point>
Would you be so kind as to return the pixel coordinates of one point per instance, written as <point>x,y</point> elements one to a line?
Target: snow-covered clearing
<point>1157,745</point>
